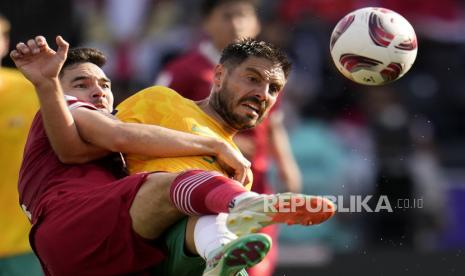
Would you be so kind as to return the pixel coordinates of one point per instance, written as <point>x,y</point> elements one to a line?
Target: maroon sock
<point>199,192</point>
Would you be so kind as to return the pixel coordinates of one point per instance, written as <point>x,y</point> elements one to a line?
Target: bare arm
<point>281,149</point>
<point>41,66</point>
<point>150,140</point>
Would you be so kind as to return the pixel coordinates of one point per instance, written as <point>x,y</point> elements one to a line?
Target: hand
<point>37,61</point>
<point>233,162</point>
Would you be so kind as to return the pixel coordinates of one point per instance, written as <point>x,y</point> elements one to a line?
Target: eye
<point>106,85</point>
<point>80,85</point>
<point>274,88</point>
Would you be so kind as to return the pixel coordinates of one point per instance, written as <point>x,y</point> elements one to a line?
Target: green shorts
<point>177,262</point>
<point>20,265</point>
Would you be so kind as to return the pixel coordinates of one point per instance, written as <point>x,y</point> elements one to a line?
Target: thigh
<point>88,231</point>
<point>152,211</point>
<point>178,263</point>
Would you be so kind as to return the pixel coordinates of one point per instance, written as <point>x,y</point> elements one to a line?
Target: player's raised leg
<point>201,192</point>
<point>151,211</point>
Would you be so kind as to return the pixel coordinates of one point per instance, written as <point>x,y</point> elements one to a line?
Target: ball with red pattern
<point>373,46</point>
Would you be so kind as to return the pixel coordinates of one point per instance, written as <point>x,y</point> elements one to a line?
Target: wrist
<point>46,85</point>
<point>217,146</point>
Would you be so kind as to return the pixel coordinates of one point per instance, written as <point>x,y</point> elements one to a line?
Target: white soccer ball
<point>373,46</point>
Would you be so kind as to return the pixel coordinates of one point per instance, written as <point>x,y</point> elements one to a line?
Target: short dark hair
<point>237,52</point>
<point>209,5</point>
<point>82,55</point>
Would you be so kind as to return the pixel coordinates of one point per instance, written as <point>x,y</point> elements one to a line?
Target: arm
<point>41,65</point>
<point>93,135</point>
<point>151,140</point>
<point>286,165</point>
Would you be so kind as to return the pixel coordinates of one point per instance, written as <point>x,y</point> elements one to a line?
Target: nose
<point>97,92</point>
<point>262,92</point>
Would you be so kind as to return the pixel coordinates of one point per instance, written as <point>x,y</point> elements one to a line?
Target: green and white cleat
<point>252,214</point>
<point>233,258</point>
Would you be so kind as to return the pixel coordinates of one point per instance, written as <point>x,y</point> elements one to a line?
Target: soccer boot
<point>241,253</point>
<point>251,214</point>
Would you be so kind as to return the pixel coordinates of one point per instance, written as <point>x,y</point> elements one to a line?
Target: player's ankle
<point>243,196</point>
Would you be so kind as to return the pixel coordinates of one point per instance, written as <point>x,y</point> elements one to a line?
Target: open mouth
<point>252,107</point>
<point>99,105</point>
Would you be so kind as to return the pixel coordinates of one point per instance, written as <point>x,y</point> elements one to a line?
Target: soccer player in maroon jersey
<point>67,202</point>
<point>191,76</point>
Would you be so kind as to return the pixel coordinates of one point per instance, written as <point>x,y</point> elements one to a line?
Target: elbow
<point>118,143</point>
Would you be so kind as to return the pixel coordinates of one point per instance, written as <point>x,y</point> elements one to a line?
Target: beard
<point>223,103</point>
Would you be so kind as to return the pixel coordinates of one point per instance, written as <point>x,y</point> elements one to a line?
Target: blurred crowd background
<point>405,140</point>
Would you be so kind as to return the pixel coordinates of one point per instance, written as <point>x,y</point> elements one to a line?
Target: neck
<point>206,106</point>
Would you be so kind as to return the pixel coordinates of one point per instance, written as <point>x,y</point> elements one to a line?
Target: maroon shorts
<point>86,230</point>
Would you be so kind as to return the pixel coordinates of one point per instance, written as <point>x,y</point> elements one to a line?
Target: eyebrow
<point>78,78</point>
<point>255,71</point>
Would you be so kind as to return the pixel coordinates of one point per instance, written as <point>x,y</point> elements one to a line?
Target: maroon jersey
<point>41,170</point>
<point>80,213</point>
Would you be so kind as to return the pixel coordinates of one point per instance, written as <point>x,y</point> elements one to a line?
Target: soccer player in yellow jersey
<point>162,106</point>
<point>246,84</point>
<point>18,105</point>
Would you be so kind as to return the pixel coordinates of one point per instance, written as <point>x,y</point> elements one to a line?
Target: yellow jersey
<point>18,105</point>
<point>162,106</point>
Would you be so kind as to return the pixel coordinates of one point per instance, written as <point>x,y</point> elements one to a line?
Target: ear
<point>218,76</point>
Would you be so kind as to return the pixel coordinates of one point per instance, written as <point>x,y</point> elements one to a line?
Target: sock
<point>203,192</point>
<point>211,233</point>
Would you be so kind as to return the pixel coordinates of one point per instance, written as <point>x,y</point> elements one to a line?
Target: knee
<point>160,183</point>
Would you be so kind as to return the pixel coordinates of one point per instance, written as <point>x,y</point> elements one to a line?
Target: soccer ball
<point>373,46</point>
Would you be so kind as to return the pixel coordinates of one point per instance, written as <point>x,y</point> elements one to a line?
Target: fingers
<point>22,48</point>
<point>20,51</point>
<point>33,46</point>
<point>15,55</point>
<point>63,47</point>
<point>240,176</point>
<point>41,41</point>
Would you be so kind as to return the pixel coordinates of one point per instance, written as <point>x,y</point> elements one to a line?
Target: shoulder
<point>150,101</point>
<point>153,93</point>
